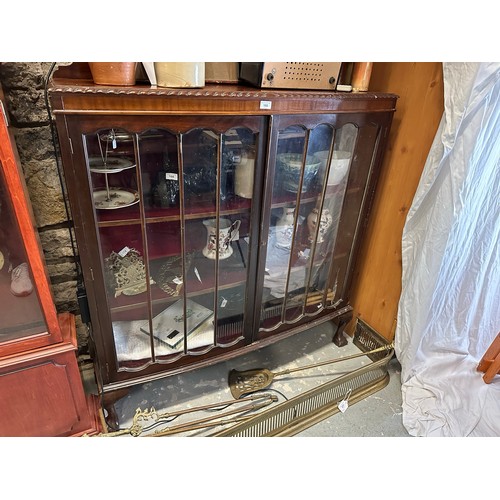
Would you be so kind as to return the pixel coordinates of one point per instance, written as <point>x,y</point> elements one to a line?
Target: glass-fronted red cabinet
<point>216,221</point>
<point>41,388</point>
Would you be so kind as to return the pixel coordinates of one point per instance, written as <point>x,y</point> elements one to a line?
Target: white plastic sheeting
<point>449,310</point>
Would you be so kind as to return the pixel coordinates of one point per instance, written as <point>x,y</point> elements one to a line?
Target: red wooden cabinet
<point>41,390</point>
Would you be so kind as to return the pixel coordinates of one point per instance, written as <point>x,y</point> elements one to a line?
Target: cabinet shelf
<point>130,215</point>
<point>291,200</point>
<point>231,274</point>
<point>128,303</point>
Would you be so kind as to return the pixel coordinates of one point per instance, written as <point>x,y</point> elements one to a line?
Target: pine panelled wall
<point>377,280</point>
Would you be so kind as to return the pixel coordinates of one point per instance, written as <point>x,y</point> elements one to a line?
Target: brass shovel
<point>248,381</point>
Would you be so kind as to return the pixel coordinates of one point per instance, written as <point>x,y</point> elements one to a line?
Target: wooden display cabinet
<point>155,175</point>
<point>41,388</point>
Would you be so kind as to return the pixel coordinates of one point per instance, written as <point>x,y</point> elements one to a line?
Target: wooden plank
<point>377,278</point>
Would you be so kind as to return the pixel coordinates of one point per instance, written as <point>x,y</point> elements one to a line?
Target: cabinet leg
<point>338,339</point>
<point>108,403</point>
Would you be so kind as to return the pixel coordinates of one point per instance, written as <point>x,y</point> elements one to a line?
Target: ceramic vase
<point>113,73</point>
<point>324,225</point>
<point>180,74</point>
<point>339,165</point>
<point>284,228</point>
<point>244,175</point>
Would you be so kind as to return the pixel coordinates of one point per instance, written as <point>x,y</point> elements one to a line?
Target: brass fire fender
<point>303,411</point>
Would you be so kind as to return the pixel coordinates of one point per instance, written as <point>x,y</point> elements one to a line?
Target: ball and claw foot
<point>338,338</point>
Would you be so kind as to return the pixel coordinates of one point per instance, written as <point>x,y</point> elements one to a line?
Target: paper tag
<point>223,303</point>
<point>343,405</point>
<point>265,104</point>
<point>170,176</point>
<point>124,251</point>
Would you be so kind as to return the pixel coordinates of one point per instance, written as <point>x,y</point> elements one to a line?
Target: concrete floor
<point>377,415</point>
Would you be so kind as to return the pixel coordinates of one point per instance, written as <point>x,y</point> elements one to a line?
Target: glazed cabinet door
<point>28,317</point>
<point>170,208</point>
<point>319,183</point>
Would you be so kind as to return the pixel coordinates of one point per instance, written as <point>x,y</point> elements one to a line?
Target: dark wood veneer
<point>80,108</point>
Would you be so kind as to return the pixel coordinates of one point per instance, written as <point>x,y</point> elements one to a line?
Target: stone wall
<point>23,84</point>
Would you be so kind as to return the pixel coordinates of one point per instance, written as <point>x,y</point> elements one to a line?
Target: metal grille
<point>227,332</point>
<point>292,75</point>
<point>271,312</point>
<point>367,339</point>
<point>303,71</point>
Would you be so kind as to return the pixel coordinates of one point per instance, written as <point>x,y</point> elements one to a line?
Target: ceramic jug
<point>228,231</point>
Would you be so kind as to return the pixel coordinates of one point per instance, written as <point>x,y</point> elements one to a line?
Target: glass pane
<point>310,183</point>
<point>111,162</point>
<point>20,311</point>
<point>308,257</point>
<point>323,234</point>
<point>200,154</point>
<point>294,181</point>
<point>238,155</point>
<point>160,181</point>
<point>218,238</point>
<point>126,289</point>
<point>363,144</point>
